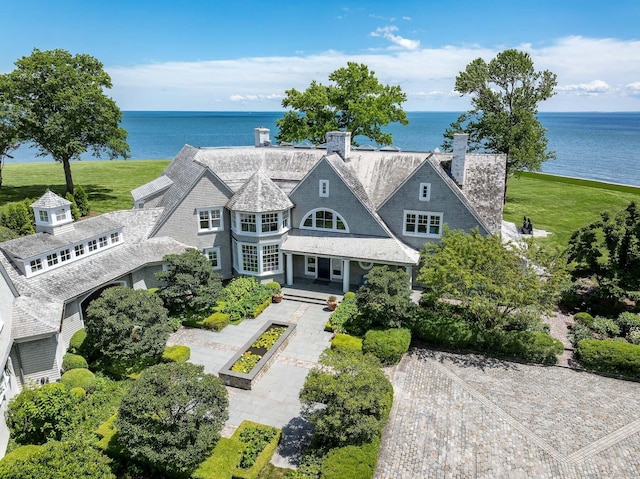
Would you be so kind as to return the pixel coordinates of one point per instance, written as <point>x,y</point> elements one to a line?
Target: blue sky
<point>243,55</point>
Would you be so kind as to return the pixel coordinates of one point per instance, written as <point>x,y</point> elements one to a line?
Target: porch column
<point>289,257</point>
<point>409,271</point>
<point>345,275</point>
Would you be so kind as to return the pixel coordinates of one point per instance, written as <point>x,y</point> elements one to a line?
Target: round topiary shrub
<point>388,345</point>
<point>82,378</point>
<point>78,392</point>
<point>73,361</point>
<point>75,343</point>
<point>346,342</point>
<point>583,318</point>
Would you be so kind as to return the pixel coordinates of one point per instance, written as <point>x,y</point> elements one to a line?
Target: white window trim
<point>216,250</point>
<point>332,275</point>
<point>421,213</point>
<point>324,188</point>
<point>236,225</point>
<point>220,210</point>
<point>313,274</point>
<point>422,197</point>
<point>238,257</point>
<point>336,215</point>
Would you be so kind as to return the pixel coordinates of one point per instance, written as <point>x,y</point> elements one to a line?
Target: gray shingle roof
<point>40,243</point>
<point>350,246</point>
<point>259,194</point>
<point>50,200</point>
<point>155,186</point>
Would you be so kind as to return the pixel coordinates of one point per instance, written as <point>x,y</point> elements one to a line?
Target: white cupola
<point>53,214</point>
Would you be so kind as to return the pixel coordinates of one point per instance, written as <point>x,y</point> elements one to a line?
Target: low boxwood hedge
<point>388,345</point>
<point>610,356</point>
<point>73,361</point>
<point>176,354</point>
<point>80,378</point>
<point>346,342</point>
<point>217,321</point>
<point>345,311</point>
<point>350,462</point>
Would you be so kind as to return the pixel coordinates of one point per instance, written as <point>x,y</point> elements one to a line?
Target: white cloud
<point>593,74</point>
<point>387,32</point>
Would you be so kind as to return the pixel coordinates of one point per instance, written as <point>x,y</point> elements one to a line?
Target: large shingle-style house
<point>272,212</point>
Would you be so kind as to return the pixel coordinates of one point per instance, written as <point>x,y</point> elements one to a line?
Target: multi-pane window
<point>52,259</point>
<point>336,268</point>
<point>65,255</point>
<point>418,223</point>
<point>285,220</point>
<point>248,222</point>
<point>44,216</point>
<point>324,188</point>
<point>269,222</point>
<point>93,245</point>
<point>36,264</point>
<point>270,258</point>
<point>115,237</point>
<point>210,219</point>
<point>213,255</point>
<point>250,258</point>
<point>79,250</point>
<point>325,219</point>
<point>311,264</point>
<point>425,192</point>
<point>103,241</point>
<point>61,214</point>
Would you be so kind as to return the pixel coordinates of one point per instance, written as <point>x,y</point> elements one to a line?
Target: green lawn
<point>108,183</point>
<point>562,205</point>
<point>557,204</point>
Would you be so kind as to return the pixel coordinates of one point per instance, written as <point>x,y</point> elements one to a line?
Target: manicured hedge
<point>75,343</point>
<point>388,345</point>
<point>610,356</point>
<point>73,361</point>
<point>346,342</point>
<point>217,321</point>
<point>18,455</point>
<point>351,462</point>
<point>345,311</point>
<point>458,334</point>
<point>81,378</point>
<point>263,458</point>
<point>245,298</point>
<point>176,354</point>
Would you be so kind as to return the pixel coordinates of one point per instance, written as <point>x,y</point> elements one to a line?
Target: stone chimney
<point>339,142</point>
<point>261,135</point>
<point>458,167</point>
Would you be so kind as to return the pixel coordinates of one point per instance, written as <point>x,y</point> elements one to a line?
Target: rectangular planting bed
<point>245,368</point>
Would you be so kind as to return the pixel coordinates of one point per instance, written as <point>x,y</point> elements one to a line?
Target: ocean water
<point>599,146</point>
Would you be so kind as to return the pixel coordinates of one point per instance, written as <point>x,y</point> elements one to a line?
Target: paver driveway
<point>466,416</point>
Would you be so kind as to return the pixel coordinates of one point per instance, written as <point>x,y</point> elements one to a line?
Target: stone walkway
<point>458,416</point>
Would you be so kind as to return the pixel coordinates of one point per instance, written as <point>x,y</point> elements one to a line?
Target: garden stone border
<point>248,380</point>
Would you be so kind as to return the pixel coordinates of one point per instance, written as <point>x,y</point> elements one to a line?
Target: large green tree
<point>355,102</point>
<point>495,283</point>
<point>609,251</point>
<point>172,416</point>
<point>57,101</point>
<point>129,327</point>
<point>505,94</point>
<point>8,136</point>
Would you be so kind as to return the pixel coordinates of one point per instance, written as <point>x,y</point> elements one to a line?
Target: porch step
<point>304,299</point>
<point>308,296</point>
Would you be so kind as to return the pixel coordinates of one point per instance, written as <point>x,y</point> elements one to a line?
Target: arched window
<point>323,219</point>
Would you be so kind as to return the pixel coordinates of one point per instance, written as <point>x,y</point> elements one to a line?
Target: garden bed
<point>254,347</point>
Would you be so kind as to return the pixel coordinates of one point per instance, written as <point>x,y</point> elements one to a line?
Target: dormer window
<point>324,188</point>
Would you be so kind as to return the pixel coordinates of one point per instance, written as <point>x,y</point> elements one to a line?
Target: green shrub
<point>579,332</point>
<point>344,312</point>
<point>82,378</point>
<point>583,318</point>
<point>81,199</point>
<point>18,217</point>
<point>350,462</point>
<point>222,461</point>
<point>610,356</point>
<point>73,361</point>
<point>634,336</point>
<point>605,327</point>
<point>259,443</point>
<point>22,453</point>
<point>78,392</point>
<point>349,295</point>
<point>216,321</point>
<point>106,431</point>
<point>77,340</point>
<point>260,308</point>
<point>346,342</point>
<point>628,322</point>
<point>176,354</point>
<point>441,328</point>
<point>274,287</point>
<point>244,298</point>
<point>388,345</point>
<point>75,212</point>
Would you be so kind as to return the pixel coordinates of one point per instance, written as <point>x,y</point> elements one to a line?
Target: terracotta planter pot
<point>331,306</point>
<point>276,298</point>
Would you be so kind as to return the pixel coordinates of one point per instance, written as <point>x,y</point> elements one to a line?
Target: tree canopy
<point>56,100</point>
<point>129,327</point>
<point>172,416</point>
<point>355,102</point>
<point>609,251</point>
<point>190,282</point>
<point>504,96</point>
<point>493,282</point>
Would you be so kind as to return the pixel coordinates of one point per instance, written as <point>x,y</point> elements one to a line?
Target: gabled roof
<point>50,200</point>
<point>259,194</point>
<point>155,186</point>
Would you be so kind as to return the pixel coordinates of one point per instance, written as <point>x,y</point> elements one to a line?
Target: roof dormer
<point>53,214</point>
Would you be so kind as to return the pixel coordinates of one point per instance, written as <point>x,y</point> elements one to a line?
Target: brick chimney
<point>458,168</point>
<point>339,142</point>
<point>261,135</point>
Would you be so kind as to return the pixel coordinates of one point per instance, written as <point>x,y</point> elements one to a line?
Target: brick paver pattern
<point>467,416</point>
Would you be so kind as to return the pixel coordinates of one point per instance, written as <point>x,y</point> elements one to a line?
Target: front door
<point>324,268</point>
